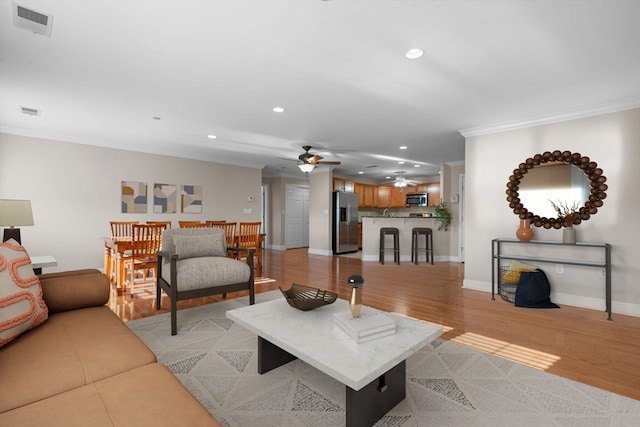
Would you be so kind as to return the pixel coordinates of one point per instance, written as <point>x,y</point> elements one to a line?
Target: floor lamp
<point>14,213</point>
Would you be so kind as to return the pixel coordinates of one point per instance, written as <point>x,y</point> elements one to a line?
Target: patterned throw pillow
<point>21,304</point>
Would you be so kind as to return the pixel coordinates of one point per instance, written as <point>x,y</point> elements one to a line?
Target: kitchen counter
<point>371,237</point>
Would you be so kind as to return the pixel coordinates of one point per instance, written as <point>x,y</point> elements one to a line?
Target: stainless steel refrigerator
<point>345,222</point>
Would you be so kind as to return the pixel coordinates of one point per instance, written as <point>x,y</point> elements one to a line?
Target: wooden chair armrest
<point>165,254</point>
<point>250,251</point>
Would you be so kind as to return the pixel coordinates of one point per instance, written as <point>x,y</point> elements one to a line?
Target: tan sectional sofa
<point>84,367</point>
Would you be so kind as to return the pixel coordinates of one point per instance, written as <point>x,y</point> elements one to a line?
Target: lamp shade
<point>15,213</point>
<point>306,167</point>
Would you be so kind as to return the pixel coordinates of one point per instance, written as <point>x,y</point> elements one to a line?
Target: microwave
<point>416,199</point>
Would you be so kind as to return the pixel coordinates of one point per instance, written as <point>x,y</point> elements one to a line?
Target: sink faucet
<point>384,212</point>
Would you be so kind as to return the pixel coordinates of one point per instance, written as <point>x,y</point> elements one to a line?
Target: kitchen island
<point>371,237</point>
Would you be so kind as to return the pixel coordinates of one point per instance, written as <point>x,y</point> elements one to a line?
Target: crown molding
<point>626,104</point>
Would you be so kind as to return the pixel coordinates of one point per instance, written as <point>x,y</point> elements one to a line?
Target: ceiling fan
<point>310,161</point>
<point>400,181</point>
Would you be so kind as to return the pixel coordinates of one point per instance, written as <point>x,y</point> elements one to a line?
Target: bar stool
<point>428,243</point>
<point>393,231</point>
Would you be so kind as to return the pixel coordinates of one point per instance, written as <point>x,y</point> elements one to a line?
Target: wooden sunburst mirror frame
<point>591,170</point>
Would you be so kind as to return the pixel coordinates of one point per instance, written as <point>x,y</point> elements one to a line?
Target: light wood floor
<point>571,342</point>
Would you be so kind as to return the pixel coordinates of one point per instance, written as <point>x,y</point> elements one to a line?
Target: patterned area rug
<point>447,384</point>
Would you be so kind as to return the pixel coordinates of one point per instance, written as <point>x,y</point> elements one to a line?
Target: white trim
<point>320,252</point>
<point>626,104</point>
<point>618,307</point>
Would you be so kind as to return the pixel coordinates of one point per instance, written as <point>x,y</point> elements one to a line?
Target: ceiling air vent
<point>36,22</point>
<point>30,111</point>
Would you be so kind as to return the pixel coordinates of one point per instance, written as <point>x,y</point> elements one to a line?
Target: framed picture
<point>164,198</point>
<point>133,197</point>
<point>191,199</point>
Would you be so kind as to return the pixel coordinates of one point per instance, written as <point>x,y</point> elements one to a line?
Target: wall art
<point>191,199</point>
<point>164,198</point>
<point>133,197</point>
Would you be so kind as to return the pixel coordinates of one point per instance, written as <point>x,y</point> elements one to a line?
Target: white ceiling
<point>337,67</point>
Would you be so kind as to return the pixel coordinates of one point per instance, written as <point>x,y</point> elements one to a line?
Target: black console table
<point>497,253</point>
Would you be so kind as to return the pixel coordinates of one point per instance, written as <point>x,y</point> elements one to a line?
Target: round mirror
<point>555,190</point>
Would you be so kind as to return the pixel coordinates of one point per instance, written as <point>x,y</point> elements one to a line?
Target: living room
<point>74,181</point>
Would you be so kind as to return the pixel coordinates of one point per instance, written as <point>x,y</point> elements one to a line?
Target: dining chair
<point>249,238</point>
<point>217,221</point>
<point>145,243</point>
<point>229,232</point>
<point>167,224</point>
<point>120,233</point>
<point>191,224</point>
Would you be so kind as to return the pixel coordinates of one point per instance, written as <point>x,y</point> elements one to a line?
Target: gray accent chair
<point>194,262</point>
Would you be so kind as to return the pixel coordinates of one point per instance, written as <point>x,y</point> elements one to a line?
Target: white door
<point>296,216</point>
<point>264,207</point>
<point>461,222</point>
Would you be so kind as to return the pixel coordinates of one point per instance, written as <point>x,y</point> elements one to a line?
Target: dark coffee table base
<point>364,406</point>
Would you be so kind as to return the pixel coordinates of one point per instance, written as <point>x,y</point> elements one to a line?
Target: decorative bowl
<point>306,298</point>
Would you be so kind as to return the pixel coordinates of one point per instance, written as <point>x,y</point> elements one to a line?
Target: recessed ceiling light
<point>278,109</point>
<point>416,166</point>
<point>414,53</point>
<point>157,118</point>
<point>211,136</point>
<point>401,163</point>
<point>360,172</point>
<point>387,177</point>
<point>403,147</point>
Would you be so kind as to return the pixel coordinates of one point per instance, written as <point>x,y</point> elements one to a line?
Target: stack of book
<point>370,325</point>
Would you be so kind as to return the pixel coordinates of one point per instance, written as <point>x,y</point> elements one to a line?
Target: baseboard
<point>278,248</point>
<point>619,307</point>
<point>320,252</point>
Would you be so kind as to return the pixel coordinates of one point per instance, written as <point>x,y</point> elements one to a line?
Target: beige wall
<point>75,191</point>
<point>611,140</point>
<point>320,205</point>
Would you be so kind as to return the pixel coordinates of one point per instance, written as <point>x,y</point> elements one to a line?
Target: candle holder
<point>355,302</point>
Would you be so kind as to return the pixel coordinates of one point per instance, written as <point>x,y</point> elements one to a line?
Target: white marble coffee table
<point>373,372</point>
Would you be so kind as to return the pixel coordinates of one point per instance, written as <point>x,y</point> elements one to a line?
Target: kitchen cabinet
<point>370,196</point>
<point>422,188</point>
<point>359,190</point>
<point>433,189</point>
<point>398,197</point>
<point>348,186</point>
<point>359,235</point>
<point>340,184</point>
<point>384,197</point>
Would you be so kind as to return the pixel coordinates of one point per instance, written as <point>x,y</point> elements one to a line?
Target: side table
<point>39,262</point>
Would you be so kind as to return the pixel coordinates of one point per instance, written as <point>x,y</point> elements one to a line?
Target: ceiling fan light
<point>400,184</point>
<point>306,167</point>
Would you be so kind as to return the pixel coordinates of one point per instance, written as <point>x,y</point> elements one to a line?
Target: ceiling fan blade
<point>313,159</point>
<point>328,163</point>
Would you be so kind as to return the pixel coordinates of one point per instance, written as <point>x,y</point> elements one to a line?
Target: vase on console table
<point>569,235</point>
<point>355,302</point>
<point>524,232</point>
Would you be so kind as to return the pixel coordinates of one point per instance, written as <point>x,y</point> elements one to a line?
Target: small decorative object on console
<point>306,298</point>
<point>355,302</point>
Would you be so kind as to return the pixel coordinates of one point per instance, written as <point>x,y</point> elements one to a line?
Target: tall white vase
<point>569,235</point>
